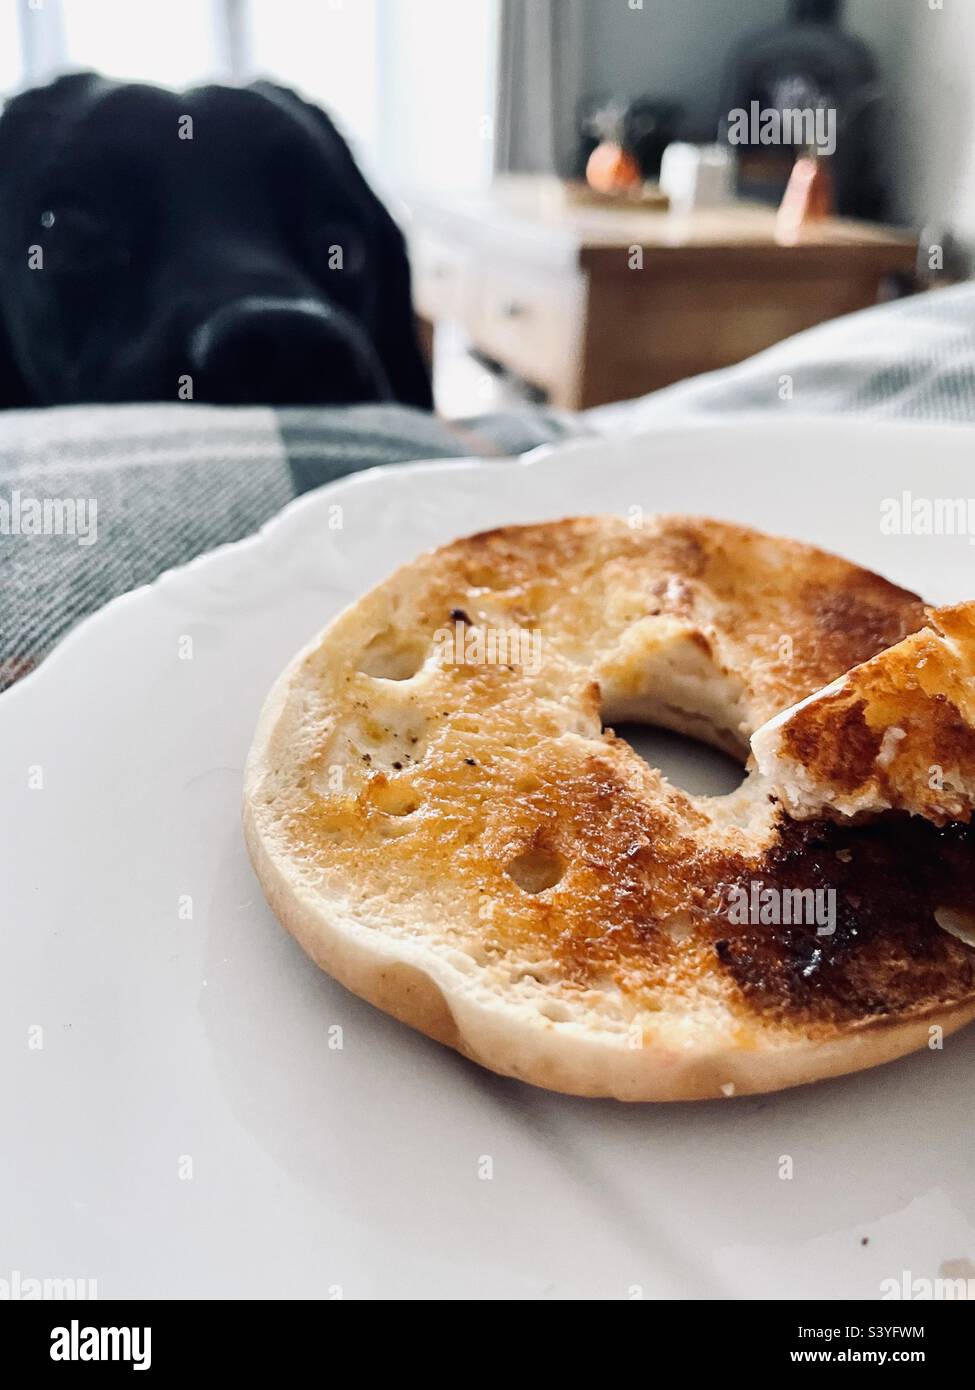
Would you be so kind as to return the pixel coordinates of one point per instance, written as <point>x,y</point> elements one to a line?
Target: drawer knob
<point>513,309</point>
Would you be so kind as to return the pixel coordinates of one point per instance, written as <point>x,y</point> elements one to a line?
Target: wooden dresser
<point>596,304</point>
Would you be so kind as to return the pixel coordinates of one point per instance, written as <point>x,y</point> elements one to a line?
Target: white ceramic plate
<point>188,1126</point>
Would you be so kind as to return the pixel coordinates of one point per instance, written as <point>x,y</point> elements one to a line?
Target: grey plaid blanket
<point>97,500</point>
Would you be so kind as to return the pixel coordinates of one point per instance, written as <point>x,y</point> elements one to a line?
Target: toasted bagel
<point>437,811</point>
<point>895,733</point>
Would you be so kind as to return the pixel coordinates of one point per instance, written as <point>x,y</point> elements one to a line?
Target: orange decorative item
<point>808,198</point>
<point>611,170</point>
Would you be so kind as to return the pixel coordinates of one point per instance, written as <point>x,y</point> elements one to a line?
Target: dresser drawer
<point>439,278</point>
<point>532,323</point>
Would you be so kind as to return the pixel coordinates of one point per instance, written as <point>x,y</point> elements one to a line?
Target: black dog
<point>218,244</point>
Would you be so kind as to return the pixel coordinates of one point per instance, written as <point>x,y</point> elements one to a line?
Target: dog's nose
<point>284,352</point>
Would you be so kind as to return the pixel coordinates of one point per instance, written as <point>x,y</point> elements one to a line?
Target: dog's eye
<point>341,249</point>
<point>77,240</point>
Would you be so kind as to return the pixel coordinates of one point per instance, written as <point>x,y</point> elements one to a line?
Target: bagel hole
<point>686,762</point>
<point>536,869</point>
<point>391,657</point>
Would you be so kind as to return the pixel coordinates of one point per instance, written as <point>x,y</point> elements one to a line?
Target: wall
<point>668,48</point>
<point>932,144</point>
<point>679,48</point>
<point>884,25</point>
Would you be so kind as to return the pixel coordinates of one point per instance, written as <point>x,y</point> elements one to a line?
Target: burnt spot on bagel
<point>887,955</point>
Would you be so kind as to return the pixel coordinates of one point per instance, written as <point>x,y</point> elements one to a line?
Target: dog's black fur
<point>211,258</point>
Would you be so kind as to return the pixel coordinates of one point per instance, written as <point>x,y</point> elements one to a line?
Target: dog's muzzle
<point>284,352</point>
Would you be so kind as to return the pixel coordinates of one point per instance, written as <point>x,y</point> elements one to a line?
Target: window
<point>170,43</point>
<point>409,82</point>
<point>10,62</point>
<point>329,51</point>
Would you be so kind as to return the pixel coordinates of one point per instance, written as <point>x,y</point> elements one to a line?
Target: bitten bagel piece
<point>895,733</point>
<point>436,810</point>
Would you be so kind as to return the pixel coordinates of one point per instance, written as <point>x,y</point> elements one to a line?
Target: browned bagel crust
<point>895,733</point>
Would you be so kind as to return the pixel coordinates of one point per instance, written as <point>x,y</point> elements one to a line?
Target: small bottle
<point>808,198</point>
